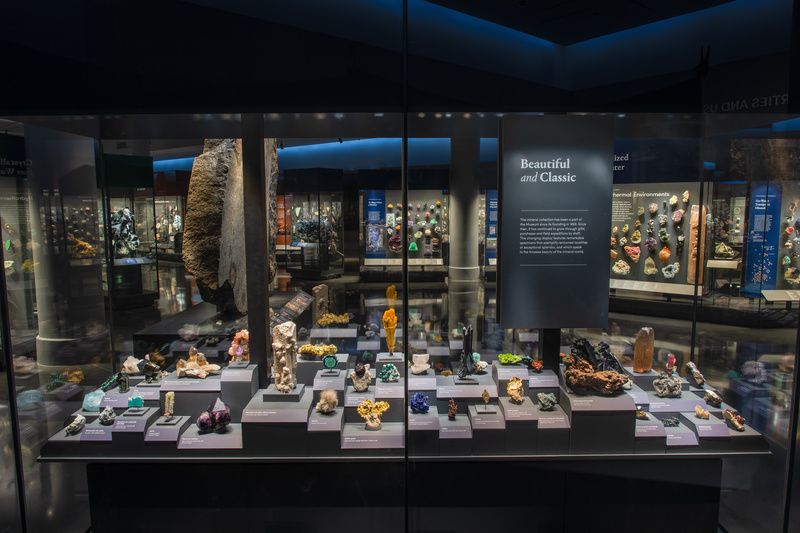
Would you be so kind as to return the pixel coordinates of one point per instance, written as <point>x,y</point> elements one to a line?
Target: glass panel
<point>339,257</point>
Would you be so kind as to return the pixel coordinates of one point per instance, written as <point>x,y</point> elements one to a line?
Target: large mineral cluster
<point>588,370</point>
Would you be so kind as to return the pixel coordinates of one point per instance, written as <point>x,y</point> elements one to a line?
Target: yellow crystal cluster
<point>317,350</point>
<point>332,319</point>
<point>390,325</point>
<point>370,410</point>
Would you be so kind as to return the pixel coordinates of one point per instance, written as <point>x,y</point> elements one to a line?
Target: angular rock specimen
<point>196,366</point>
<point>91,402</point>
<point>285,356</point>
<point>588,370</point>
<point>643,350</point>
<point>650,268</point>
<point>694,375</point>
<point>419,403</point>
<point>537,365</point>
<point>215,419</point>
<point>671,422</point>
<point>169,405</point>
<point>107,416</point>
<point>700,412</point>
<point>131,365</point>
<point>514,389</point>
<point>332,319</point>
<point>76,425</point>
<point>327,402</point>
<point>213,247</point>
<point>667,385</point>
<point>361,377</point>
<point>389,373</point>
<point>547,401</point>
<point>320,305</point>
<point>712,398</point>
<point>135,402</point>
<point>734,419</point>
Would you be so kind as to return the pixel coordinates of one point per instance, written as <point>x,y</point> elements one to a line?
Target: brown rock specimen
<point>697,243</point>
<point>213,242</point>
<point>580,375</point>
<point>320,305</point>
<point>643,350</point>
<point>285,356</point>
<point>196,366</point>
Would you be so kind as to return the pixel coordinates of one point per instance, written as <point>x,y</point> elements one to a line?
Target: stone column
<point>464,267</point>
<point>72,320</point>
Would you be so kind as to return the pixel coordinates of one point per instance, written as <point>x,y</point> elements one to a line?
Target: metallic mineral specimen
<point>734,419</point>
<point>712,398</point>
<point>419,403</point>
<point>361,377</point>
<point>452,409</point>
<point>667,385</point>
<point>317,350</point>
<point>695,376</point>
<point>371,412</point>
<point>107,416</point>
<point>514,389</point>
<point>671,422</point>
<point>547,401</point>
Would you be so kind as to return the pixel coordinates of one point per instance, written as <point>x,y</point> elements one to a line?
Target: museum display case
<point>381,329</point>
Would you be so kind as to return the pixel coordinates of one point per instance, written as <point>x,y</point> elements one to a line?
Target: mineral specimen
<point>633,252</point>
<point>419,403</point>
<point>643,350</point>
<point>328,400</point>
<point>509,358</point>
<point>329,363</point>
<point>452,409</point>
<point>677,216</point>
<point>685,197</point>
<point>537,365</point>
<point>694,374</point>
<point>239,350</point>
<point>91,402</point>
<point>667,385</point>
<point>613,254</point>
<point>673,200</point>
<point>285,356</point>
<point>467,367</point>
<point>317,350</point>
<point>671,270</point>
<point>215,419</point>
<point>621,268</point>
<point>700,412</point>
<point>672,363</point>
<point>754,372</point>
<point>547,401</point>
<point>650,268</point>
<point>514,389</point>
<point>640,211</point>
<point>412,247</point>
<point>76,425</point>
<point>420,363</point>
<point>582,378</point>
<point>653,208</point>
<point>107,416</point>
<point>151,371</point>
<point>189,332</point>
<point>641,414</point>
<point>481,366</point>
<point>371,412</point>
<point>734,419</point>
<point>320,305</point>
<point>169,405</point>
<point>361,377</point>
<point>651,244</point>
<point>389,373</point>
<point>664,254</point>
<point>712,398</point>
<point>625,228</point>
<point>623,241</point>
<point>663,235</point>
<point>131,365</point>
<point>135,402</point>
<point>332,319</point>
<point>636,238</point>
<point>113,381</point>
<point>196,366</point>
<point>723,251</point>
<point>671,422</point>
<point>390,326</point>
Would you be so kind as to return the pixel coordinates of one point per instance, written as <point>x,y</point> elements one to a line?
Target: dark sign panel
<point>556,213</point>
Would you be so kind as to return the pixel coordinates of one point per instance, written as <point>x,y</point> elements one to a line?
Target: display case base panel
<point>167,432</point>
<point>455,436</point>
<point>522,423</point>
<point>600,424</point>
<point>192,439</point>
<point>357,437</point>
<point>262,409</point>
<point>272,395</point>
<point>680,439</point>
<point>237,387</point>
<point>488,430</point>
<point>651,436</point>
<point>685,403</point>
<point>422,382</point>
<point>325,432</point>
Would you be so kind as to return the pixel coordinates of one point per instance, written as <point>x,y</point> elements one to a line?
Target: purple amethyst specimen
<point>215,419</point>
<point>651,244</point>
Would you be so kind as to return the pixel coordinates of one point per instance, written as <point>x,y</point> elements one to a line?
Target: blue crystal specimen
<point>91,402</point>
<point>419,403</point>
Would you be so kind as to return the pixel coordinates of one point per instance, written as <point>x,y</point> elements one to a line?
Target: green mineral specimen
<point>509,359</point>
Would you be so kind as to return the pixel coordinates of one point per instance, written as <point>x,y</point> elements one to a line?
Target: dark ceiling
<point>569,21</point>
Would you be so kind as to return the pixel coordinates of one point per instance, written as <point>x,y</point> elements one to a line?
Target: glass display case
<point>169,214</point>
<point>315,228</point>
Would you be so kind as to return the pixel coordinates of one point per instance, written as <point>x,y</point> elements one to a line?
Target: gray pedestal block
<point>522,423</point>
<point>650,435</point>
<point>600,424</point>
<point>237,387</point>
